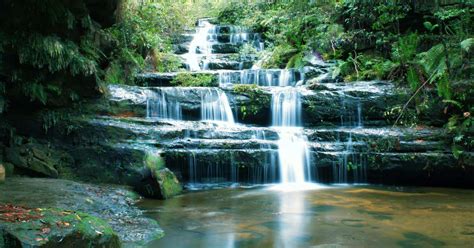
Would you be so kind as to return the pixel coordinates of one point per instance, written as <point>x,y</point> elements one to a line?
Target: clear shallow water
<point>359,216</point>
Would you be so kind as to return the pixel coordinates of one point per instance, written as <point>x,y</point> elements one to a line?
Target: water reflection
<point>291,219</point>
<point>361,216</point>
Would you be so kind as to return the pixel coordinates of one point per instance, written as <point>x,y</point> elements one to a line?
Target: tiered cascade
<point>202,135</point>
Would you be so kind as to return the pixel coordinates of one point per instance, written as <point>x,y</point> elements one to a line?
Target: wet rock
<point>336,103</point>
<point>419,168</point>
<point>114,204</point>
<point>169,184</point>
<point>155,79</point>
<point>225,48</point>
<point>37,159</point>
<point>53,228</point>
<point>182,38</point>
<point>223,38</point>
<point>229,65</point>
<point>314,72</point>
<point>158,181</point>
<point>181,48</point>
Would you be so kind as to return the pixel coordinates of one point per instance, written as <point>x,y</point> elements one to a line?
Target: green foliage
<point>145,31</point>
<point>50,51</point>
<point>467,44</point>
<point>280,56</point>
<point>166,62</point>
<point>462,128</point>
<point>186,79</point>
<point>154,161</point>
<point>292,37</point>
<point>247,50</point>
<point>405,49</point>
<point>258,99</point>
<point>364,67</point>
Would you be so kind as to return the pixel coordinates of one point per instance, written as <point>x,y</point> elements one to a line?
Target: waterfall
<point>215,106</point>
<point>293,150</point>
<point>192,162</point>
<point>159,106</point>
<point>262,77</point>
<point>351,166</point>
<point>286,108</point>
<point>286,77</point>
<point>201,45</point>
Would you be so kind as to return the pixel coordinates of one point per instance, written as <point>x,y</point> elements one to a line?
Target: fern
<point>413,78</point>
<point>296,61</point>
<point>434,62</point>
<point>467,44</point>
<point>406,48</point>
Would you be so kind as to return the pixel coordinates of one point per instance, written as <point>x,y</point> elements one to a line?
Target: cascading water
<point>349,160</point>
<point>159,106</point>
<point>293,150</point>
<point>261,77</point>
<point>215,106</point>
<point>201,45</point>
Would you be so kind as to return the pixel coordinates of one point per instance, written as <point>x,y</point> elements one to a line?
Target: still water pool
<point>356,216</point>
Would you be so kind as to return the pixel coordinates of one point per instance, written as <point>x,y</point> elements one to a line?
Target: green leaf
<point>430,27</point>
<point>412,78</point>
<point>458,138</point>
<point>467,44</point>
<point>457,151</point>
<point>456,103</point>
<point>444,87</point>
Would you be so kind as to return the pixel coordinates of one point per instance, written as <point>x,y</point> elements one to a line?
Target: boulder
<point>37,159</point>
<point>158,182</point>
<point>168,182</point>
<point>26,227</point>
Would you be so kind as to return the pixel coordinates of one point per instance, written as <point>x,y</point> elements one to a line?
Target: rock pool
<point>341,216</point>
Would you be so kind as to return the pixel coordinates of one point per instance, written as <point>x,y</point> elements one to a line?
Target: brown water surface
<point>362,216</point>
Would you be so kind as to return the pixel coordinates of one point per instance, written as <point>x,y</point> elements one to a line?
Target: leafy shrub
<point>186,79</point>
<point>258,99</point>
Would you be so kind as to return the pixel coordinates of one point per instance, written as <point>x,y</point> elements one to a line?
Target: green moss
<point>258,99</point>
<point>169,185</point>
<point>58,228</point>
<point>187,79</point>
<point>154,162</point>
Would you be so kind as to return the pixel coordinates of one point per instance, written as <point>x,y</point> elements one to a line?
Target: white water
<point>159,106</point>
<point>293,151</point>
<point>215,106</point>
<point>261,77</point>
<point>286,108</point>
<point>201,45</point>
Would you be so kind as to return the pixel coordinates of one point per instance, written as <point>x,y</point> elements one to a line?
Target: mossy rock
<point>169,184</point>
<point>24,227</point>
<point>158,181</point>
<point>37,159</point>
